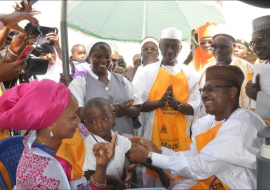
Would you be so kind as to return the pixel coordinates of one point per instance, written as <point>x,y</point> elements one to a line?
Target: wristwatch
<point>148,160</point>
<point>180,106</point>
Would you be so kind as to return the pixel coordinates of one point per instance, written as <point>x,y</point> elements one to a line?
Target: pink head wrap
<point>34,105</point>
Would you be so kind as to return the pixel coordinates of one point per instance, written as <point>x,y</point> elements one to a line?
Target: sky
<point>238,17</point>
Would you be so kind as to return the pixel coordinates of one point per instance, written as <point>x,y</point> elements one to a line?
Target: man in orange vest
<point>171,95</point>
<point>225,142</point>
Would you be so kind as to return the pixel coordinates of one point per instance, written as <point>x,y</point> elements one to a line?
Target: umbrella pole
<point>144,19</point>
<point>64,39</point>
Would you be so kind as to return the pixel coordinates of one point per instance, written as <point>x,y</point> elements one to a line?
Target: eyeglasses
<point>211,88</point>
<point>149,48</point>
<point>221,46</point>
<point>258,40</point>
<point>115,60</point>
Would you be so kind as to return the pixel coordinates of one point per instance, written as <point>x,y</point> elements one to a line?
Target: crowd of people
<point>158,123</point>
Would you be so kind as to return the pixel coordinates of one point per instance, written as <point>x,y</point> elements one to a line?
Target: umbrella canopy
<point>133,20</point>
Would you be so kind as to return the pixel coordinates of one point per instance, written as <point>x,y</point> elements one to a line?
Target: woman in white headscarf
<point>54,57</point>
<point>99,82</point>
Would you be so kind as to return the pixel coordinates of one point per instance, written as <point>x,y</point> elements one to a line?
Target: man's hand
<point>104,152</point>
<point>163,100</point>
<point>253,89</point>
<point>128,175</point>
<point>19,8</point>
<point>149,145</point>
<point>137,154</point>
<point>10,71</point>
<point>172,102</point>
<point>11,20</point>
<point>164,179</point>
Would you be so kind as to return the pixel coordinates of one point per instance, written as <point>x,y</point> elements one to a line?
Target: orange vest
<point>169,127</point>
<point>73,151</point>
<point>201,141</point>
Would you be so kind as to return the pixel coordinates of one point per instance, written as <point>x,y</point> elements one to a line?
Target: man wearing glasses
<point>224,143</point>
<point>261,46</point>
<point>149,53</point>
<point>222,50</point>
<point>114,63</point>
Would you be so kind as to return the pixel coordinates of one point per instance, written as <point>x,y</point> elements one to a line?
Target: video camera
<point>36,65</point>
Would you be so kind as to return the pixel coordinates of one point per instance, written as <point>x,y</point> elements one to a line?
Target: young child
<point>99,119</point>
<point>78,58</point>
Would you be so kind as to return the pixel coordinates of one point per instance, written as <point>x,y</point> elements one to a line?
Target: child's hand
<point>104,152</point>
<point>128,175</point>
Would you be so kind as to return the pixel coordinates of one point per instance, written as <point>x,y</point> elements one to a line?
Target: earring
<point>51,133</point>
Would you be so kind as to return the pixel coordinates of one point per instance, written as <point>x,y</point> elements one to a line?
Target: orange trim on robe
<point>166,131</point>
<point>201,141</point>
<point>73,151</point>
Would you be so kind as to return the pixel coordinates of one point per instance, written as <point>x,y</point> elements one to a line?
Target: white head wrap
<point>92,43</point>
<point>222,30</point>
<point>171,33</point>
<point>149,39</point>
<point>261,23</point>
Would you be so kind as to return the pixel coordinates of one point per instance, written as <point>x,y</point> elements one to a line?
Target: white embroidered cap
<point>149,39</point>
<point>261,23</point>
<point>171,33</point>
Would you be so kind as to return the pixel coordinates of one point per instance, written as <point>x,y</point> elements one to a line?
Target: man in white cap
<point>222,50</point>
<point>170,93</point>
<point>261,46</point>
<point>149,53</point>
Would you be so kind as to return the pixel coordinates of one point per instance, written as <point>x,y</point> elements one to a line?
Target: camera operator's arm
<point>11,70</point>
<point>17,42</point>
<point>11,20</point>
<point>55,38</point>
<point>3,36</point>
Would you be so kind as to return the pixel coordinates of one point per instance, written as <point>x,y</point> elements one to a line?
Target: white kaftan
<point>116,165</point>
<point>231,156</point>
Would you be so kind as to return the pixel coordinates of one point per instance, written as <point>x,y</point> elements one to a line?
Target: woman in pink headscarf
<point>50,110</point>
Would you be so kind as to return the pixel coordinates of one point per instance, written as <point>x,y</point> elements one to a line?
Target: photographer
<point>9,67</point>
<point>54,57</point>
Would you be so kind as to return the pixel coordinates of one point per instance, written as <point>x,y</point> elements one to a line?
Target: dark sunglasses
<point>115,60</point>
<point>149,48</point>
<point>257,41</point>
<point>221,46</point>
<point>211,88</point>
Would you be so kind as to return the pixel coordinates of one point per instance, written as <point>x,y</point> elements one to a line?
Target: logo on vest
<point>163,129</point>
